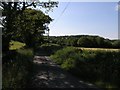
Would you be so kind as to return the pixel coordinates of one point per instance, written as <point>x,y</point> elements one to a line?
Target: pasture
<point>16,45</point>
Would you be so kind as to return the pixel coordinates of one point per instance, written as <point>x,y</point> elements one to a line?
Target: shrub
<point>62,55</point>
<point>68,64</point>
<point>47,49</point>
<point>91,65</point>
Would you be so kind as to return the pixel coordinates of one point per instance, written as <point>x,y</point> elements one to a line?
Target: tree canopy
<point>85,41</point>
<point>11,10</point>
<point>31,26</point>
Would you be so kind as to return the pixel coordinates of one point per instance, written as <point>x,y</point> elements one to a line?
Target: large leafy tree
<point>11,10</point>
<point>31,26</point>
<point>83,42</point>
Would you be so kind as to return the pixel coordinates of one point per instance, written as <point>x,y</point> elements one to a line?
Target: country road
<point>47,74</point>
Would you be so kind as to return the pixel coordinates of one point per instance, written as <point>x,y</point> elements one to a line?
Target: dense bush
<point>90,65</point>
<point>65,55</point>
<point>16,72</point>
<point>104,63</point>
<point>47,49</point>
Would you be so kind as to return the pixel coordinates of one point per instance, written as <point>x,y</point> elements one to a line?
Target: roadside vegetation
<point>47,49</point>
<point>22,31</point>
<point>99,67</point>
<point>17,68</point>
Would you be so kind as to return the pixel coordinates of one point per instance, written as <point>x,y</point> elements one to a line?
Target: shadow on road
<point>49,75</point>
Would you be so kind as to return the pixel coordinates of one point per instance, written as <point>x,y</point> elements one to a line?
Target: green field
<point>102,49</point>
<point>16,45</point>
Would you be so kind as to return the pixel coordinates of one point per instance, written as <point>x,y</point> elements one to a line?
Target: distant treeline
<point>84,41</point>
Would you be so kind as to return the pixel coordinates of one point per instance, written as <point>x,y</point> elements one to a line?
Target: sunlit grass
<point>16,45</point>
<point>106,49</point>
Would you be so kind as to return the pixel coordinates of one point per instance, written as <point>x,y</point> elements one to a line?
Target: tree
<point>84,42</point>
<point>116,44</point>
<point>107,43</point>
<point>10,10</point>
<point>31,26</point>
<point>70,41</point>
<point>100,42</point>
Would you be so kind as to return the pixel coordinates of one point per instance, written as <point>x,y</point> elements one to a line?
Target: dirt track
<point>49,75</point>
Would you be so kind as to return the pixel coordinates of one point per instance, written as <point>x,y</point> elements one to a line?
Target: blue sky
<point>88,18</point>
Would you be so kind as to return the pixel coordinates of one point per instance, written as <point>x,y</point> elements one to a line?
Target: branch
<point>15,5</point>
<point>3,4</point>
<point>24,7</point>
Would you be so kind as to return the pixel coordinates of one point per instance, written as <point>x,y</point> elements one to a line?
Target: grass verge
<point>17,69</point>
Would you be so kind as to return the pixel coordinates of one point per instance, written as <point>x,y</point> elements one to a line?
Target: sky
<point>85,18</point>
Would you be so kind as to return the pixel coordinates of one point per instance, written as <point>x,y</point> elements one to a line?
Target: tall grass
<point>97,66</point>
<point>16,72</point>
